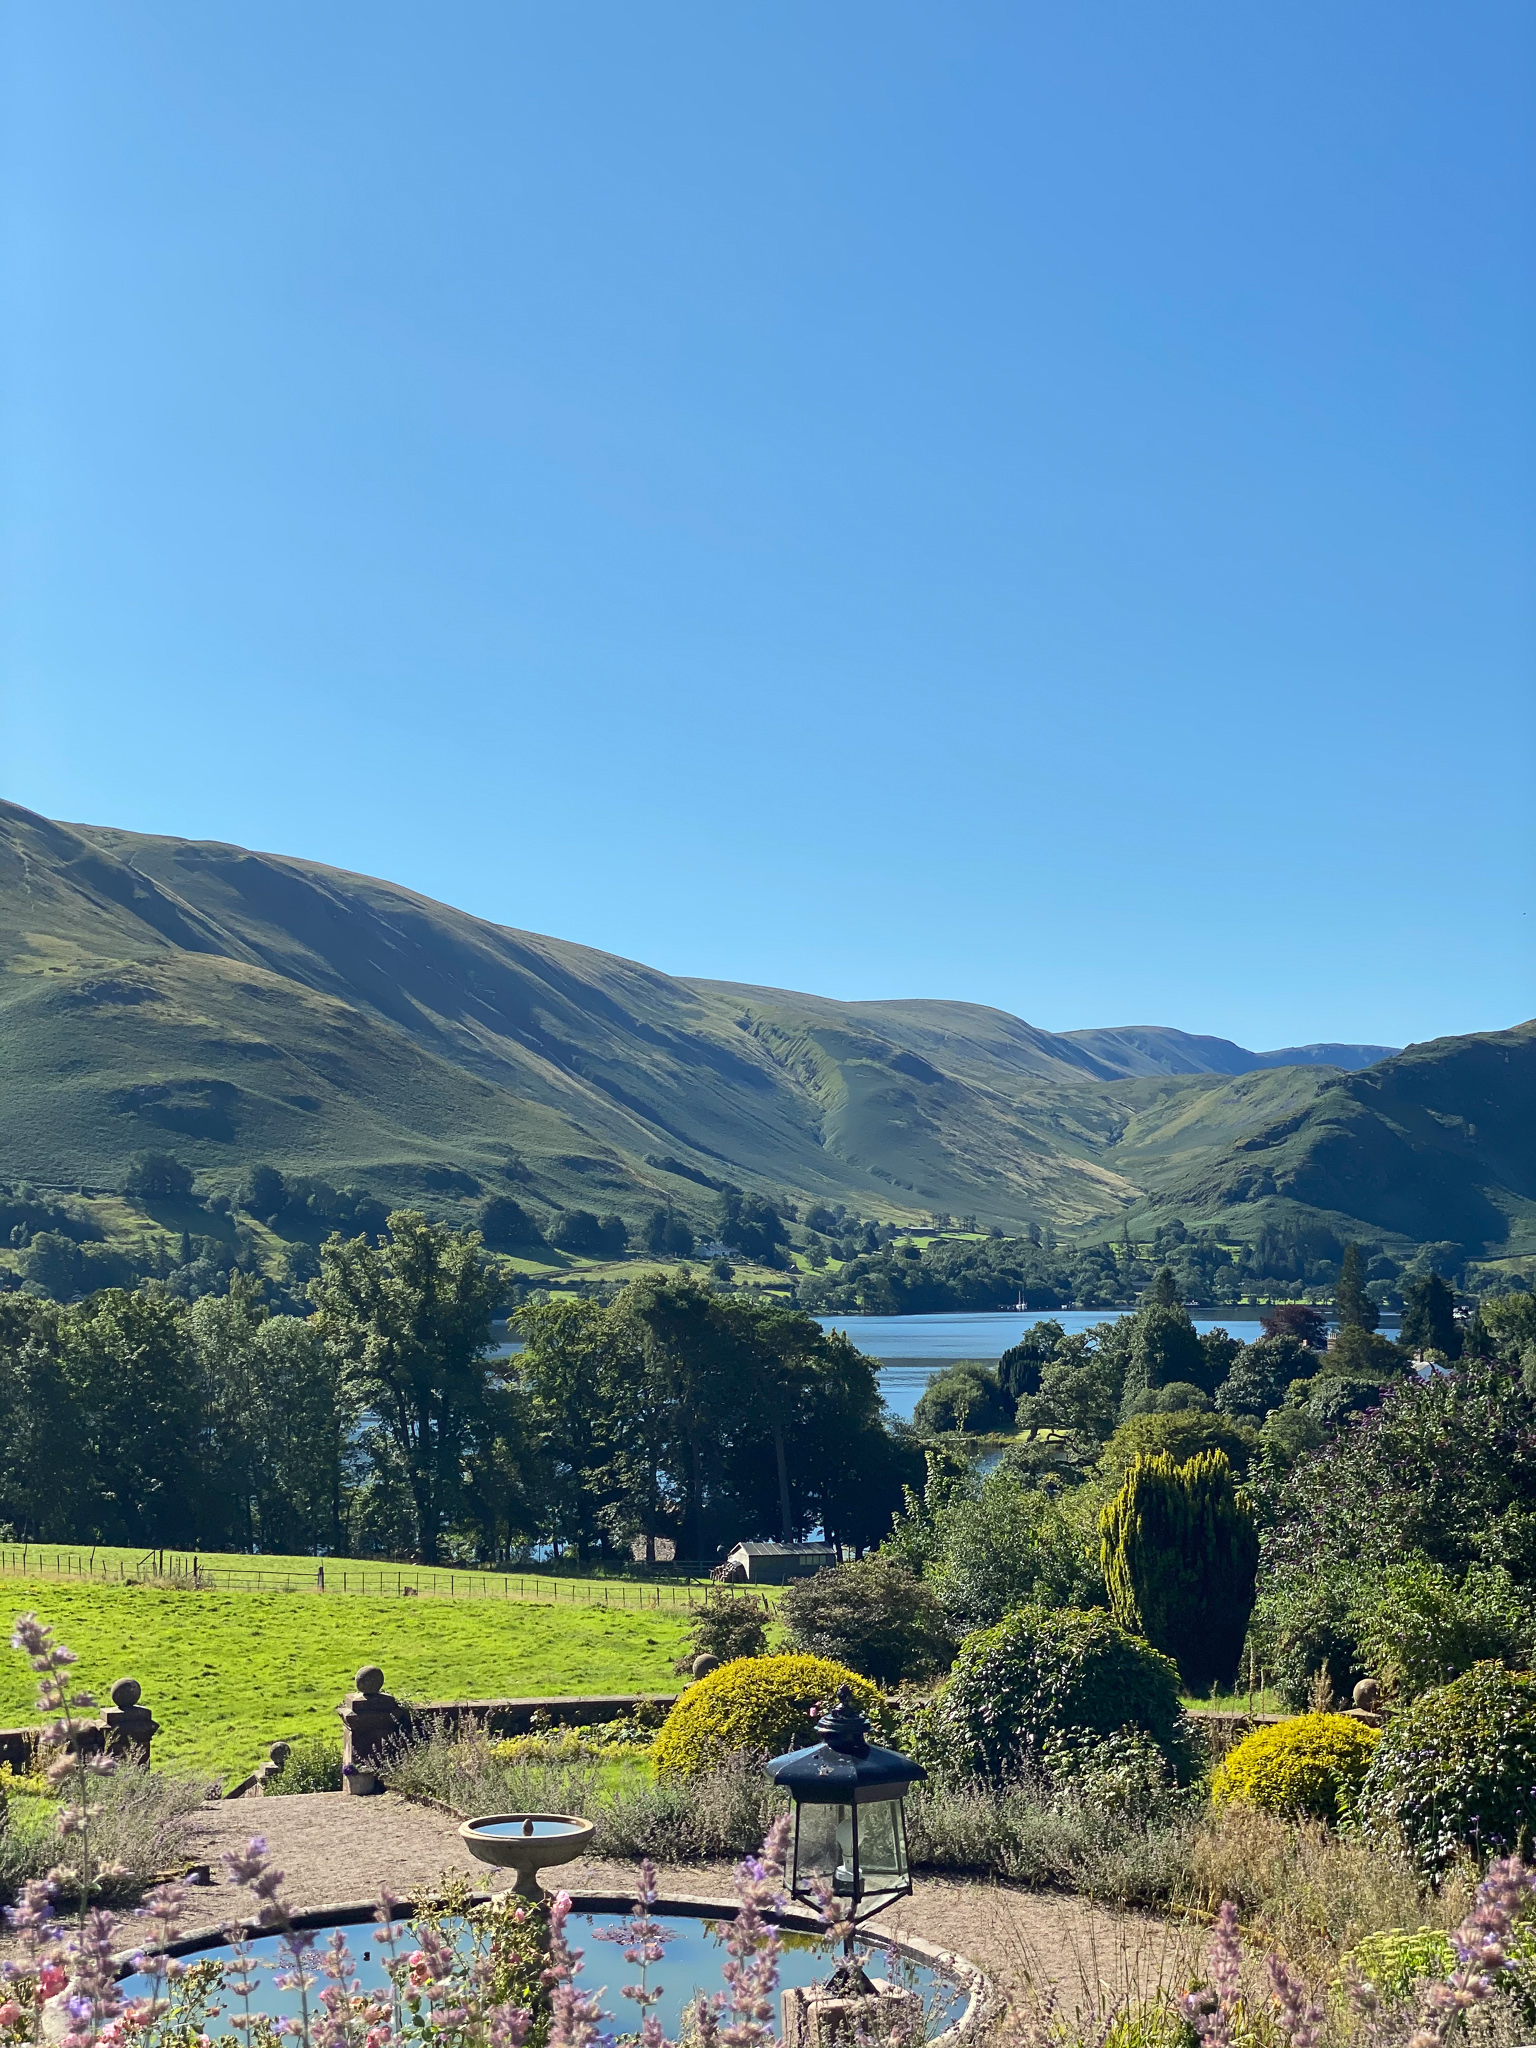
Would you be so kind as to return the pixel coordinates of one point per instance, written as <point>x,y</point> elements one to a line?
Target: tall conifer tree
<point>1355,1307</point>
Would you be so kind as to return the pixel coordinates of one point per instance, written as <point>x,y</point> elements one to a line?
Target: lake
<point>911,1349</point>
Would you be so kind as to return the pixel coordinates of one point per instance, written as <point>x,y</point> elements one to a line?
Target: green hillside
<point>1438,1144</point>
<point>235,1007</point>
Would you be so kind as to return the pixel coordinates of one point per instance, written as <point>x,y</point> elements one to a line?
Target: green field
<point>105,1561</point>
<point>227,1673</point>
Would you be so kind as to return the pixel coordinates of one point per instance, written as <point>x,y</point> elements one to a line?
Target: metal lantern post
<point>850,1829</point>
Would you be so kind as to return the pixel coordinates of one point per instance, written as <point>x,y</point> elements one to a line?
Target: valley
<point>233,1007</point>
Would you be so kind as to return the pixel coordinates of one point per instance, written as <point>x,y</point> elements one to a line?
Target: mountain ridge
<point>1115,1052</point>
<point>239,1005</point>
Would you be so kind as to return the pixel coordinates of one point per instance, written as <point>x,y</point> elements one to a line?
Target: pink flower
<point>51,1979</point>
<point>10,2013</point>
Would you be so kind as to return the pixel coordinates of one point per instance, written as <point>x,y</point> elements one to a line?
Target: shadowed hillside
<point>235,1006</point>
<point>1436,1144</point>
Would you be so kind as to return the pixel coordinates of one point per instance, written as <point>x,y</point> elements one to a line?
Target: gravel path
<point>334,1848</point>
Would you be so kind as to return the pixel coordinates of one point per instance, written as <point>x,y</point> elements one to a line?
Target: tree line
<point>383,1422</point>
<point>881,1276</point>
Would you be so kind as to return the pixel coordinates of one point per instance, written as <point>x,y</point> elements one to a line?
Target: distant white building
<point>773,1563</point>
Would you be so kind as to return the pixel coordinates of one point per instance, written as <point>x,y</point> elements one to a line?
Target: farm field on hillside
<point>226,1673</point>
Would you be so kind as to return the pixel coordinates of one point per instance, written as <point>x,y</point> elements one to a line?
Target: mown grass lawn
<point>227,1673</point>
<point>1263,1701</point>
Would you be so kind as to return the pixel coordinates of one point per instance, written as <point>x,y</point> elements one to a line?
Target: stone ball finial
<point>280,1753</point>
<point>126,1693</point>
<point>370,1679</point>
<point>1367,1695</point>
<point>704,1664</point>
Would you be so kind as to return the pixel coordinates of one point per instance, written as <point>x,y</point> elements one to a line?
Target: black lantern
<point>850,1832</point>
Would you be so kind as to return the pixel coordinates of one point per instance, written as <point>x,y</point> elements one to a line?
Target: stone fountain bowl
<point>526,1843</point>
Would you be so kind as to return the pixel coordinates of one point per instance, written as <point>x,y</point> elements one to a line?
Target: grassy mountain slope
<point>235,1006</point>
<point>1436,1144</point>
<point>260,1007</point>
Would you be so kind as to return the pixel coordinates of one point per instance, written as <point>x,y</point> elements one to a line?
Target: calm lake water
<point>911,1349</point>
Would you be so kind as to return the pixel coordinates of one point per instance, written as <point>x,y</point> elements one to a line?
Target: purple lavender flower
<point>644,1938</point>
<point>1212,2010</point>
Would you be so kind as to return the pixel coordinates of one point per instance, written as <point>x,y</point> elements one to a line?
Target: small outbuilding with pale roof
<point>773,1563</point>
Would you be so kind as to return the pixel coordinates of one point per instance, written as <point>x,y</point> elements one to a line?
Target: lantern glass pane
<point>824,1849</point>
<point>882,1847</point>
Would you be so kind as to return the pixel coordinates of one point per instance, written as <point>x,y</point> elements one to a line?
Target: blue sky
<point>1024,503</point>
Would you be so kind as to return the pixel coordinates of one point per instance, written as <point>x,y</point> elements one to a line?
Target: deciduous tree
<point>409,1324</point>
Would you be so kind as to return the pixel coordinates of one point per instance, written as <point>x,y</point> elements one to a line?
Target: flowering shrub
<point>1397,1958</point>
<point>1476,1961</point>
<point>1309,1768</point>
<point>1036,1676</point>
<point>71,1771</point>
<point>1457,1769</point>
<point>607,1742</point>
<point>765,1704</point>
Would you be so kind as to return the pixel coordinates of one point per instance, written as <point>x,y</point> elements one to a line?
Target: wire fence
<point>348,1576</point>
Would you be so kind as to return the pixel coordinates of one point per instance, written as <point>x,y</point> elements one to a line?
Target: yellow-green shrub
<point>1398,1958</point>
<point>755,1703</point>
<point>1308,1768</point>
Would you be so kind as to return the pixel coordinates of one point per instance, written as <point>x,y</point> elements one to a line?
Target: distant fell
<point>1156,1049</point>
<point>237,1007</point>
<point>1437,1144</point>
<point>1348,1057</point>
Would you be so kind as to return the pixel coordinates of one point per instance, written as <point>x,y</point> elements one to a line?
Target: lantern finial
<point>842,1727</point>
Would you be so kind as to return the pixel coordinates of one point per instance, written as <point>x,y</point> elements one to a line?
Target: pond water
<point>694,1957</point>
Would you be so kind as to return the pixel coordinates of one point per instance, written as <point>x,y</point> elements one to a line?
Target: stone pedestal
<point>819,2018</point>
<point>263,1774</point>
<point>1366,1704</point>
<point>277,1756</point>
<point>128,1728</point>
<point>370,1717</point>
